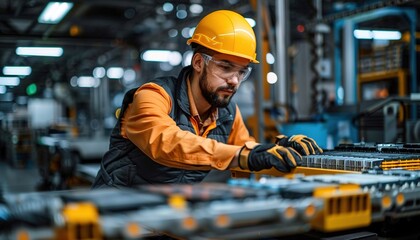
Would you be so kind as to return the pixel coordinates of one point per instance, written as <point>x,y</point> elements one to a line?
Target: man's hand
<point>266,156</point>
<point>301,143</point>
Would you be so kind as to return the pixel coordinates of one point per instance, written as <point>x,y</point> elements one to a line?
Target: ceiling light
<point>251,22</point>
<point>271,77</point>
<point>181,14</point>
<point>187,58</point>
<point>191,32</point>
<point>114,72</point>
<point>173,57</point>
<point>173,33</point>
<point>17,70</point>
<point>129,76</point>
<point>377,34</point>
<point>362,34</point>
<point>9,81</point>
<point>40,51</point>
<point>269,58</point>
<point>386,35</point>
<point>196,8</point>
<point>99,72</point>
<point>88,82</point>
<point>187,32</point>
<point>167,7</point>
<point>54,12</point>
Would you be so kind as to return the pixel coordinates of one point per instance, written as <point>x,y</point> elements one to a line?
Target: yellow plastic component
<point>290,213</point>
<point>226,32</point>
<point>345,207</point>
<point>222,221</point>
<point>386,202</point>
<point>23,235</point>
<point>177,201</point>
<point>133,230</point>
<point>400,199</point>
<point>81,222</point>
<point>189,223</point>
<point>408,164</point>
<point>310,211</point>
<point>307,171</point>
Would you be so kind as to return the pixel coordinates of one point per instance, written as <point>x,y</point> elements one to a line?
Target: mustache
<point>228,87</point>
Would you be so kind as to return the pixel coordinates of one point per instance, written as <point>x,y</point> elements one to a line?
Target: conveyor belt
<point>242,208</point>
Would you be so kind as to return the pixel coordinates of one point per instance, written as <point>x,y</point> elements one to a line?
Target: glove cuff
<point>244,153</point>
<point>243,158</point>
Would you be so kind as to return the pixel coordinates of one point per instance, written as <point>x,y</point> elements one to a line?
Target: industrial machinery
<point>304,206</point>
<point>59,158</point>
<point>351,158</point>
<point>365,156</point>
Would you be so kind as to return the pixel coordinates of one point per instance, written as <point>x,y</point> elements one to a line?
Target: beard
<point>212,97</point>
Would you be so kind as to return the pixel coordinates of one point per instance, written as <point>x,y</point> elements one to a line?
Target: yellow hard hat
<point>226,32</point>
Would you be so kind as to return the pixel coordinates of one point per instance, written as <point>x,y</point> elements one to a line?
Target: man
<point>175,130</point>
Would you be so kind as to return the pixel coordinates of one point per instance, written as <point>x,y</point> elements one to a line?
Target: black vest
<point>124,164</point>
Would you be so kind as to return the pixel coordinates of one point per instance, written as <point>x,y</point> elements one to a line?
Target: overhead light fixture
<point>88,82</point>
<point>377,34</point>
<point>272,77</point>
<point>9,81</point>
<point>251,21</point>
<point>40,51</point>
<point>17,70</point>
<point>174,58</point>
<point>54,12</point>
<point>99,72</point>
<point>115,72</point>
<point>270,58</point>
<point>196,8</point>
<point>187,58</point>
<point>129,76</point>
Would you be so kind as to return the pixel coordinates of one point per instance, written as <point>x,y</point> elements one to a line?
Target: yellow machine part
<point>345,207</point>
<point>307,171</point>
<point>408,164</point>
<point>81,222</point>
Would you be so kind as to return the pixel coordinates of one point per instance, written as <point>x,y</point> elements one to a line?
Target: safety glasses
<point>227,70</point>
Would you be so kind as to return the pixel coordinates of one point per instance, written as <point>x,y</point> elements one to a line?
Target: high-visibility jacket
<point>155,139</point>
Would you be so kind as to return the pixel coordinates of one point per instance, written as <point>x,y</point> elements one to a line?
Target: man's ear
<point>197,62</point>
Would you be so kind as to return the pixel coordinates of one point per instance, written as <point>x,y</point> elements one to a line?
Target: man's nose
<point>234,79</point>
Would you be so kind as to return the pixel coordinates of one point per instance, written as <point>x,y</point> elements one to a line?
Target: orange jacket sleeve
<point>148,125</point>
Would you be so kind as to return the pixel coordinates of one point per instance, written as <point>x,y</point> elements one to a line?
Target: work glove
<point>301,143</point>
<point>265,156</point>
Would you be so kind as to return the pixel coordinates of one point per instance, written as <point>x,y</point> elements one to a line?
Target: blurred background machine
<point>62,161</point>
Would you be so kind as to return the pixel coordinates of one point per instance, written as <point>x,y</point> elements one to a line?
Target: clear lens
<point>227,70</point>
